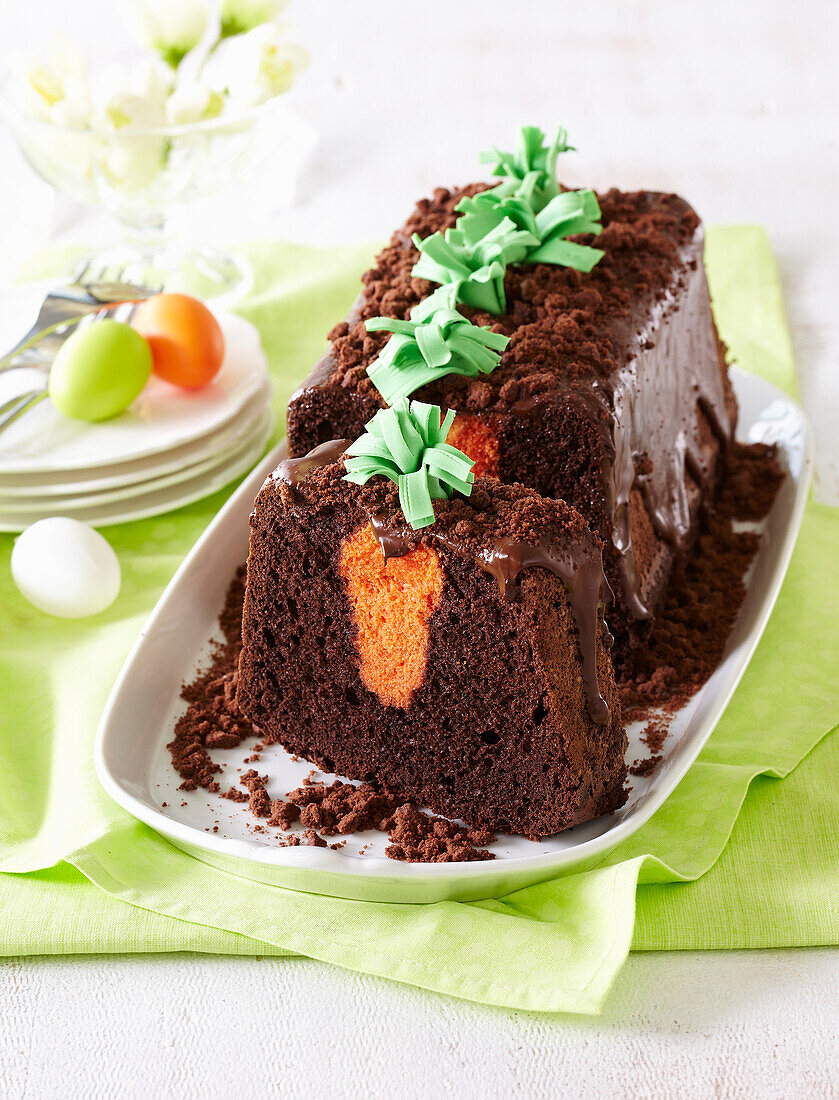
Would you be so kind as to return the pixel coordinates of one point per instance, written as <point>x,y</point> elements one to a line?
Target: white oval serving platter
<point>134,767</point>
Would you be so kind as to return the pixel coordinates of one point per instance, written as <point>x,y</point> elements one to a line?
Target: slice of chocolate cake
<point>612,394</point>
<point>463,666</point>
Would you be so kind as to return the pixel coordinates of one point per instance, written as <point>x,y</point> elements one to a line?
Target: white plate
<point>162,417</point>
<point>188,456</point>
<point>133,764</point>
<point>109,490</point>
<point>154,501</point>
<point>69,504</point>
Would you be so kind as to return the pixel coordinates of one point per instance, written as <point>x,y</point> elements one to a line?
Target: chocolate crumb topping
<point>628,350</point>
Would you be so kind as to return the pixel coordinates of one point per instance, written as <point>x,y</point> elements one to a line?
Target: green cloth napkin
<point>733,859</point>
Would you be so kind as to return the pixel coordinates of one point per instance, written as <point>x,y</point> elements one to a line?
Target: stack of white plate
<point>171,447</point>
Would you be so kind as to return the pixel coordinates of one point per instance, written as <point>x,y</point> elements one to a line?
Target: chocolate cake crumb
<point>418,838</point>
<point>655,731</point>
<point>259,803</point>
<point>291,841</point>
<point>645,767</point>
<point>211,720</point>
<point>751,482</point>
<point>235,795</point>
<point>691,630</point>
<point>283,814</point>
<point>341,808</point>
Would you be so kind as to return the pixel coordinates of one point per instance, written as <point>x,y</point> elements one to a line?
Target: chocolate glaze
<point>654,401</point>
<point>582,575</point>
<point>645,415</point>
<point>294,470</point>
<point>393,544</point>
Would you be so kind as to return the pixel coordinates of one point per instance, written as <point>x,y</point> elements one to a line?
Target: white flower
<point>239,16</point>
<point>151,79</point>
<point>39,85</point>
<point>133,110</point>
<point>255,66</point>
<point>172,27</point>
<point>193,102</point>
<point>76,107</point>
<point>128,98</point>
<point>111,81</point>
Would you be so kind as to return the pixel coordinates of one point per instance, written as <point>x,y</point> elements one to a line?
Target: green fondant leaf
<point>433,344</point>
<point>415,498</point>
<point>567,214</point>
<point>533,165</point>
<point>407,445</point>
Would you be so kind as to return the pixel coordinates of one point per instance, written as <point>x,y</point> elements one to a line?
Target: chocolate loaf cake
<point>612,394</point>
<point>463,666</point>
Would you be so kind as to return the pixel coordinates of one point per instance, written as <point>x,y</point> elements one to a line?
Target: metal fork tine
<point>93,274</point>
<point>64,305</point>
<point>82,273</point>
<point>11,410</point>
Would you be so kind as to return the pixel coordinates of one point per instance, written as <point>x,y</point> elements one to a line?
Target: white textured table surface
<point>735,105</point>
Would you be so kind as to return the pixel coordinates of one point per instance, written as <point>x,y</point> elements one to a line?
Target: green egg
<point>99,370</point>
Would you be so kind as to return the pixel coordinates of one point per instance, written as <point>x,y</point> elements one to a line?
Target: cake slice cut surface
<point>464,666</point>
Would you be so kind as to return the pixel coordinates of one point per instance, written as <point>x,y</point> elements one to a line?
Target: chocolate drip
<point>581,572</point>
<point>294,470</point>
<point>655,400</point>
<point>582,575</point>
<point>645,415</point>
<point>393,544</point>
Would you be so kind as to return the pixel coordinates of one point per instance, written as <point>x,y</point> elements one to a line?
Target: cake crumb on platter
<point>684,648</point>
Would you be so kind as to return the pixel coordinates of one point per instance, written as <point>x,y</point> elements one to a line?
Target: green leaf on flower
<point>437,341</point>
<point>407,445</point>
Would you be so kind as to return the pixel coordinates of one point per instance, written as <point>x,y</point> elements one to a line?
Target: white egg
<point>65,568</point>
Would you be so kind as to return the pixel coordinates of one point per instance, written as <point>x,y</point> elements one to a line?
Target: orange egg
<point>187,344</point>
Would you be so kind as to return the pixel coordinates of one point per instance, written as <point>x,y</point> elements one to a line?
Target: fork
<point>62,310</point>
<point>84,300</point>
